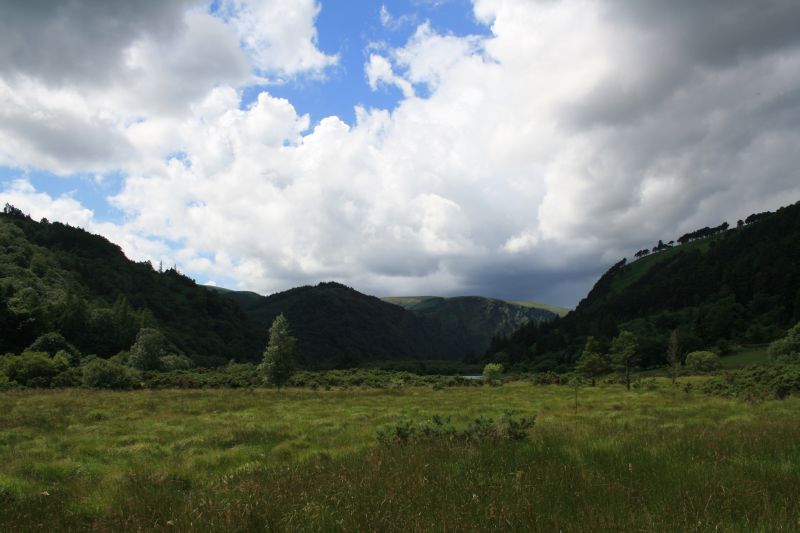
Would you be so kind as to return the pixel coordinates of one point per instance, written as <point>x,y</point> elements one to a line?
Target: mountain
<point>472,321</point>
<point>54,277</point>
<point>337,326</point>
<point>720,286</point>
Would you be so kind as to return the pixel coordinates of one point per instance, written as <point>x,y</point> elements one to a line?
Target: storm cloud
<point>518,164</point>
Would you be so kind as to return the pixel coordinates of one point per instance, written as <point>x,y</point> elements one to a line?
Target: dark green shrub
<point>757,382</point>
<point>68,378</point>
<point>104,374</point>
<point>173,362</point>
<point>703,361</point>
<point>31,369</point>
<point>147,351</point>
<point>787,349</point>
<point>54,342</point>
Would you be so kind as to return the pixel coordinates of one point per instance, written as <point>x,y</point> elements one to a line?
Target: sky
<point>505,148</point>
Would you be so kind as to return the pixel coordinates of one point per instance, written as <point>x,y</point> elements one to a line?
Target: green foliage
<point>57,279</point>
<point>593,362</point>
<point>493,372</point>
<point>624,356</point>
<point>147,351</point>
<point>703,361</point>
<point>54,342</point>
<point>757,382</point>
<point>172,362</point>
<point>279,358</point>
<point>31,369</point>
<point>104,374</point>
<point>787,349</point>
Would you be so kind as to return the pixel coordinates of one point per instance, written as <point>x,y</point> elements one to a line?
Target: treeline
<point>742,288</point>
<point>701,233</point>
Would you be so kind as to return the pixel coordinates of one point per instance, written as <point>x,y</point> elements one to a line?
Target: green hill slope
<point>737,286</point>
<point>54,277</point>
<point>472,321</point>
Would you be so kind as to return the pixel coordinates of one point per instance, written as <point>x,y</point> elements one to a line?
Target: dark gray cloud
<point>79,41</point>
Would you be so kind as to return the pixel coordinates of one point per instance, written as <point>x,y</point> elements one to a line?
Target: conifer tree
<point>278,365</point>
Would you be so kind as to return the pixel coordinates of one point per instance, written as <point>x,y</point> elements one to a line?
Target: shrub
<point>757,382</point>
<point>492,372</point>
<point>175,362</point>
<point>103,374</point>
<point>148,349</point>
<point>787,349</point>
<point>703,361</point>
<point>53,343</point>
<point>31,369</point>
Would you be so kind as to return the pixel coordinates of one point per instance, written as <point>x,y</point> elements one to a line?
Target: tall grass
<point>657,460</point>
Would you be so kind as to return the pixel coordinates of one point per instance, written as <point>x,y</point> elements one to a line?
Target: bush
<point>492,372</point>
<point>147,351</point>
<point>103,374</point>
<point>703,361</point>
<point>53,343</point>
<point>787,349</point>
<point>173,362</point>
<point>31,369</point>
<point>757,382</point>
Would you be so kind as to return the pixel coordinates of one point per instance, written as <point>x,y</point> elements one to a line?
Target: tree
<point>674,354</point>
<point>703,361</point>
<point>278,365</point>
<point>147,351</point>
<point>593,362</point>
<point>624,354</point>
<point>492,372</point>
<point>787,349</point>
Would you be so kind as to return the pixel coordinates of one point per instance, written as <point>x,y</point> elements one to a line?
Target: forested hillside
<point>338,327</point>
<point>721,286</point>
<point>54,277</point>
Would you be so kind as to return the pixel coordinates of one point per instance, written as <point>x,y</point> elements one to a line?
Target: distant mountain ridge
<point>474,320</point>
<point>337,326</point>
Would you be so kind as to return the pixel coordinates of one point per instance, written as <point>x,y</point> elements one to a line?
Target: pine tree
<point>278,365</point>
<point>625,354</point>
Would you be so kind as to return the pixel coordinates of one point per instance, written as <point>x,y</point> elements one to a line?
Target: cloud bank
<point>519,164</point>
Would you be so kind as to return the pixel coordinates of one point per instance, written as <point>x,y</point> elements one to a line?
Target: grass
<point>240,460</point>
<point>636,269</point>
<point>746,357</point>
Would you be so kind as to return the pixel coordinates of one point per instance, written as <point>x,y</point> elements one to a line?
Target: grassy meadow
<point>662,458</point>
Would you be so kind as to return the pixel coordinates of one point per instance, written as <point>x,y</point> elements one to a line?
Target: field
<point>662,458</point>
